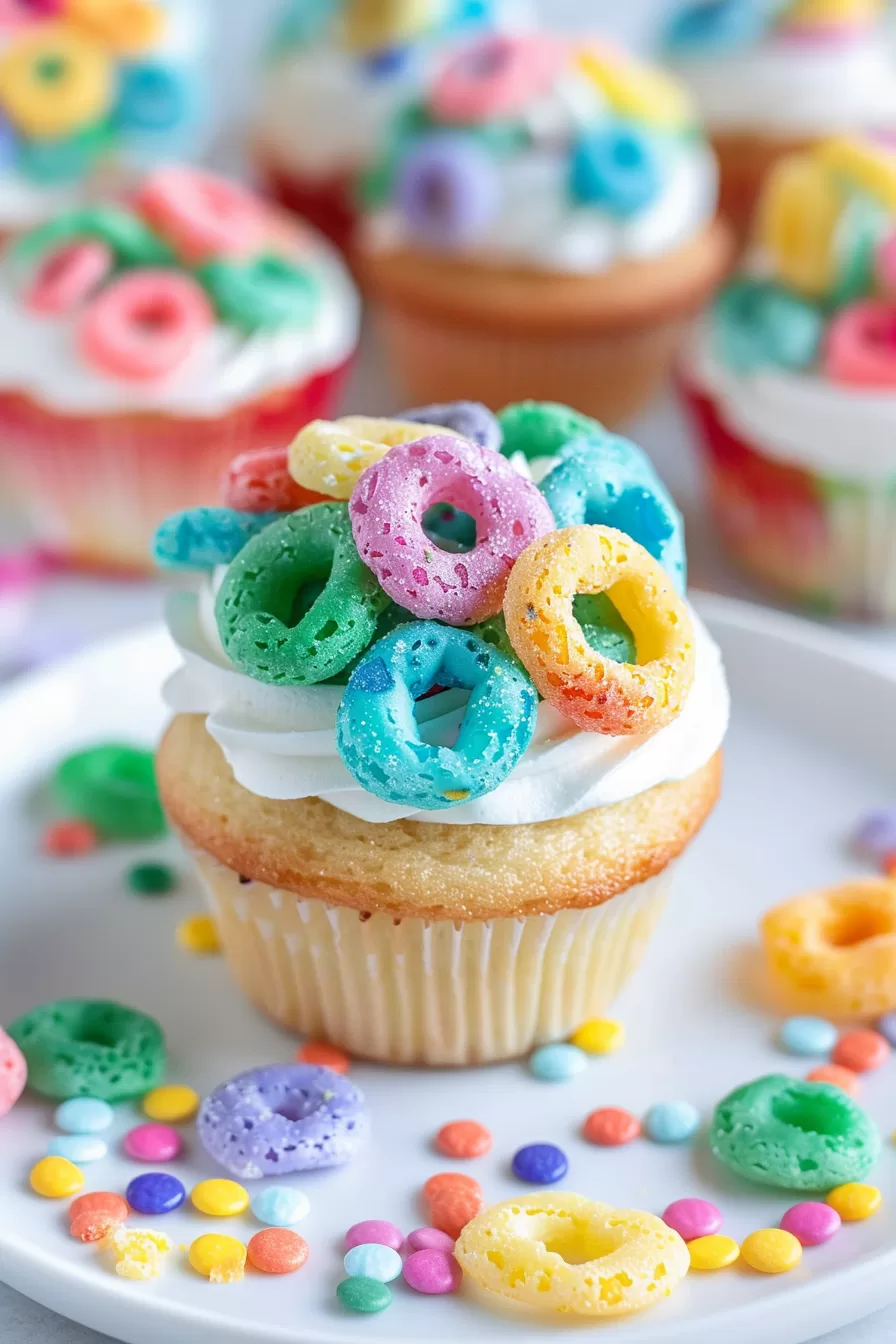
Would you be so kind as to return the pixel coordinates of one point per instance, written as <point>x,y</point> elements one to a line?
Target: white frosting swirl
<point>281,741</point>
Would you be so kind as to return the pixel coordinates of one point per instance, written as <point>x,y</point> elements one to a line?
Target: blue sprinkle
<point>807,1036</point>
<point>557,1063</point>
<point>280,1205</point>
<point>84,1115</point>
<point>373,1261</point>
<point>540,1164</point>
<point>78,1148</point>
<point>155,1192</point>
<point>671,1122</point>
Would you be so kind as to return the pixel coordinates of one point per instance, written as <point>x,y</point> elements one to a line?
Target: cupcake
<point>143,343</point>
<point>773,78</point>
<point>541,223</point>
<point>436,783</point>
<point>792,379</point>
<point>90,90</point>
<point>336,75</point>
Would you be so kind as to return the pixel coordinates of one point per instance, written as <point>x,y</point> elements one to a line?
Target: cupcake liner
<point>411,991</point>
<point>328,203</point>
<point>96,487</point>
<point>826,542</point>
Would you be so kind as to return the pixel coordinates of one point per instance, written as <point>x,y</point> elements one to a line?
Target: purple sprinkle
<point>876,836</point>
<point>374,1232</point>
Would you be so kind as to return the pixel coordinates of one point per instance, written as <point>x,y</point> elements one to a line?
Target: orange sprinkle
<point>69,839</point>
<point>328,1056</point>
<point>95,1215</point>
<point>611,1126</point>
<point>450,1183</point>
<point>451,1212</point>
<point>463,1139</point>
<point>834,1073</point>
<point>861,1051</point>
<point>277,1250</point>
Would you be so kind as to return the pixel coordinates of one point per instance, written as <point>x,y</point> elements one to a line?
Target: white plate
<point>811,748</point>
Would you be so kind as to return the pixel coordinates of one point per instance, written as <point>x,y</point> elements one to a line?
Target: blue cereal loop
<point>204,537</point>
<point>757,323</point>
<point>152,97</point>
<point>709,26</point>
<point>378,736</point>
<point>612,482</point>
<point>616,167</point>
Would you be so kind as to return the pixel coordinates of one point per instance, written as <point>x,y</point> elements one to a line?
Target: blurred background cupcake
<point>793,382</point>
<point>541,223</point>
<point>338,70</point>
<point>144,343</point>
<point>89,90</point>
<point>770,77</point>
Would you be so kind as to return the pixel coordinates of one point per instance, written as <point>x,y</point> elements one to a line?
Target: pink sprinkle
<point>374,1231</point>
<point>692,1218</point>
<point>811,1223</point>
<point>432,1272</point>
<point>152,1143</point>
<point>430,1239</point>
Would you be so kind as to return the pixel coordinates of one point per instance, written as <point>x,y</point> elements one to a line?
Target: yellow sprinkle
<point>771,1250</point>
<point>56,1178</point>
<point>199,935</point>
<point>219,1259</point>
<point>855,1201</point>
<point>713,1252</point>
<point>138,1252</point>
<point>173,1104</point>
<point>456,795</point>
<point>220,1199</point>
<point>599,1036</point>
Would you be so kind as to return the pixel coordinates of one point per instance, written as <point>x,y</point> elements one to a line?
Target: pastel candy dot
<point>861,1051</point>
<point>837,1076</point>
<point>220,1198</point>
<point>692,1218</point>
<point>373,1261</point>
<point>219,1259</point>
<point>713,1252</point>
<point>199,935</point>
<point>363,1295</point>
<point>611,1126</point>
<point>811,1222</point>
<point>78,1148</point>
<point>807,1036</point>
<point>557,1063</point>
<point>886,1025</point>
<point>156,1192</point>
<point>855,1201</point>
<point>464,1139</point>
<point>599,1036</point>
<point>152,1143</point>
<point>92,1217</point>
<point>84,1115</point>
<point>56,1178</point>
<point>771,1250</point>
<point>374,1231</point>
<point>276,1250</point>
<point>429,1239</point>
<point>433,1272</point>
<point>172,1104</point>
<point>876,834</point>
<point>151,879</point>
<point>281,1205</point>
<point>671,1121</point>
<point>540,1164</point>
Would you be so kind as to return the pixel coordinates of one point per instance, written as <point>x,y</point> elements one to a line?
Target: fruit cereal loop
<point>387,508</point>
<point>13,1073</point>
<point>833,951</point>
<point>496,77</point>
<point>203,216</point>
<point>145,325</point>
<point>470,419</point>
<point>329,455</point>
<point>258,481</point>
<point>600,695</point>
<point>637,1258</point>
<point>90,1048</point>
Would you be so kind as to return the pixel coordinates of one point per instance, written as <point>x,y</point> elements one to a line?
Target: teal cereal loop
<point>794,1135</point>
<point>612,482</point>
<point>113,786</point>
<point>543,428</point>
<point>276,622</point>
<point>201,538</point>
<point>861,229</point>
<point>264,293</point>
<point>90,1048</point>
<point>378,736</point>
<point>130,240</point>
<point>758,323</point>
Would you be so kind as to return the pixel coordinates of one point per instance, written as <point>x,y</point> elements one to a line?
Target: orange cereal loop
<point>463,1139</point>
<point>598,694</point>
<point>324,1054</point>
<point>861,1051</point>
<point>449,1183</point>
<point>838,1076</point>
<point>833,952</point>
<point>126,26</point>
<point>451,1212</point>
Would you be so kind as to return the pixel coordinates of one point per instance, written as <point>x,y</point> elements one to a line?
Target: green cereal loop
<point>543,428</point>
<point>114,787</point>
<point>90,1048</point>
<point>261,294</point>
<point>795,1135</point>
<point>130,239</point>
<point>267,624</point>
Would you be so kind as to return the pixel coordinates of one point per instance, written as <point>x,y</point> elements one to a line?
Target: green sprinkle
<point>366,1295</point>
<point>152,879</point>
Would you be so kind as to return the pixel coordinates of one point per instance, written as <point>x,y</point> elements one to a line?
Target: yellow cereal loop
<point>172,1104</point>
<point>771,1251</point>
<point>713,1252</point>
<point>138,1253</point>
<point>127,26</point>
<point>796,223</point>
<point>219,1259</point>
<point>385,23</point>
<point>56,1178</point>
<point>812,13</point>
<point>220,1198</point>
<point>833,952</point>
<point>566,1253</point>
<point>855,1201</point>
<point>638,91</point>
<point>54,80</point>
<point>328,456</point>
<point>600,695</point>
<point>599,1036</point>
<point>198,934</point>
<point>863,164</point>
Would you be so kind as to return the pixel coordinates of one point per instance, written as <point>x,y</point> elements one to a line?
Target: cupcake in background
<point>771,77</point>
<point>143,343</point>
<point>91,90</point>
<point>793,382</point>
<point>338,71</point>
<point>542,222</point>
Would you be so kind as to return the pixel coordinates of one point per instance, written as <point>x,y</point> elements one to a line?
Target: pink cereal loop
<point>202,215</point>
<point>387,507</point>
<point>860,347</point>
<point>498,76</point>
<point>13,1073</point>
<point>145,324</point>
<point>68,276</point>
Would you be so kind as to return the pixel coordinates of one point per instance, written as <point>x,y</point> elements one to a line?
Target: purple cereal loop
<point>469,418</point>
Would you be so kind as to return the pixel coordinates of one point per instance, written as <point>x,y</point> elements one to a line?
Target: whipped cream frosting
<point>281,741</point>
<point>791,86</point>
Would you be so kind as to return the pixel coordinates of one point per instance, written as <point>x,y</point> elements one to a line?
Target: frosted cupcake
<point>541,224</point>
<point>774,77</point>
<point>144,343</point>
<point>337,73</point>
<point>793,381</point>
<point>89,90</point>
<point>436,783</point>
